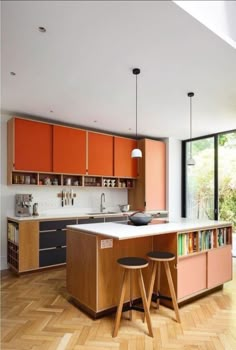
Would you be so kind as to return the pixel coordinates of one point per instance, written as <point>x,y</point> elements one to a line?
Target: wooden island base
<point>94,278</point>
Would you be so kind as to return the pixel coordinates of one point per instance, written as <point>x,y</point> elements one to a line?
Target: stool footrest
<point>132,307</point>
<point>159,296</point>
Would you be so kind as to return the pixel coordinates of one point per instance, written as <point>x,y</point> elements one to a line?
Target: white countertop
<point>63,215</point>
<point>121,231</point>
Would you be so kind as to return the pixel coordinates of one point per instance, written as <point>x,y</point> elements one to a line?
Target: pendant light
<point>190,160</point>
<point>136,152</point>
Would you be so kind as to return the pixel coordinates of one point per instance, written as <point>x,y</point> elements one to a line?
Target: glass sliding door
<point>209,186</point>
<point>200,182</point>
<point>227,176</point>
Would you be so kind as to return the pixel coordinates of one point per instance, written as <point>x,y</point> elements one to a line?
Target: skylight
<point>218,16</point>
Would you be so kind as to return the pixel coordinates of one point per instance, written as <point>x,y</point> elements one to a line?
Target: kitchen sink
<point>104,213</point>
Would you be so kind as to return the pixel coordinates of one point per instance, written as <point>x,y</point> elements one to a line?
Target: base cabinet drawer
<point>52,239</point>
<point>52,256</point>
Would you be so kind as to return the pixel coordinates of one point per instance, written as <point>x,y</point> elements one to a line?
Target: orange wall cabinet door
<point>33,145</point>
<point>100,154</point>
<point>150,188</point>
<point>124,165</point>
<point>69,150</point>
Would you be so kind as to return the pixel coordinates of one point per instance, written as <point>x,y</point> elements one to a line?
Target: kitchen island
<point>94,277</point>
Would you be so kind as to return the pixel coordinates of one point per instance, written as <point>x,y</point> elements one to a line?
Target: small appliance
<point>22,204</point>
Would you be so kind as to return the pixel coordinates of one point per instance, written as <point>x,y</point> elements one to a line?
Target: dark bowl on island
<point>139,219</point>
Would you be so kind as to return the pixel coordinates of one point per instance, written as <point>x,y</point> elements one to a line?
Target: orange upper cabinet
<point>100,154</point>
<point>155,175</point>
<point>32,145</point>
<point>69,150</point>
<point>124,165</point>
<point>150,188</point>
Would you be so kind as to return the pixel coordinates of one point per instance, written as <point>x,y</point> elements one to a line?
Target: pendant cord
<point>136,106</point>
<point>190,127</point>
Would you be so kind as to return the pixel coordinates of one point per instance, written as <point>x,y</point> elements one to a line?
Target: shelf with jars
<point>53,179</point>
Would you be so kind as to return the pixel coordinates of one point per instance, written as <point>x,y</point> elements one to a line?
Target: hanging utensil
<point>62,198</point>
<point>72,196</point>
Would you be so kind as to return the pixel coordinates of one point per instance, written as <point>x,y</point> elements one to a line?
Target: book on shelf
<point>13,232</point>
<point>187,243</point>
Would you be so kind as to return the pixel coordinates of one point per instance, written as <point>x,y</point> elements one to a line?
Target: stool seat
<point>133,262</point>
<point>162,256</point>
<point>130,264</point>
<point>158,258</point>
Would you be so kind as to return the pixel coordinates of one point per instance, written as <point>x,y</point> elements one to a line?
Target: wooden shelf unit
<point>52,179</point>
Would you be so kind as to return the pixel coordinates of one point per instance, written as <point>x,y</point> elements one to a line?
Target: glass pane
<point>200,179</point>
<point>227,177</point>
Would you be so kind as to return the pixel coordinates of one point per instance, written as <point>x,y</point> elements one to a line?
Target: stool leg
<point>121,302</point>
<point>172,290</point>
<point>145,304</point>
<point>158,283</point>
<point>153,276</point>
<point>130,293</point>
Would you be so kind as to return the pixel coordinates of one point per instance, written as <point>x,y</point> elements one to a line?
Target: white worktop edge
<point>120,231</point>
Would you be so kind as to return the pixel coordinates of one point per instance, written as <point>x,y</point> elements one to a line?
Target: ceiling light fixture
<point>136,152</point>
<point>42,29</point>
<point>190,161</point>
<point>13,73</point>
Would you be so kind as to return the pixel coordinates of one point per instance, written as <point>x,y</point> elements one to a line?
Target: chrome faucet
<point>102,201</point>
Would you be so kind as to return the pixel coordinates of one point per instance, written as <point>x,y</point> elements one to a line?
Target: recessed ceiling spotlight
<point>130,129</point>
<point>12,73</point>
<point>42,29</point>
<point>95,121</point>
<point>51,111</point>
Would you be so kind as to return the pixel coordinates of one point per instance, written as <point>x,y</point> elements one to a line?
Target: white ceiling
<point>81,68</point>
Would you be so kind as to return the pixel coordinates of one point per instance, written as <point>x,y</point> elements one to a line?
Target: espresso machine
<point>22,204</point>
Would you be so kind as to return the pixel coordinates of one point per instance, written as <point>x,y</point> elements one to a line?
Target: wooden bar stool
<point>129,264</point>
<point>157,258</point>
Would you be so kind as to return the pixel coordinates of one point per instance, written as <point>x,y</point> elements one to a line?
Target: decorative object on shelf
<point>55,181</point>
<point>190,160</point>
<point>68,181</point>
<point>136,152</point>
<point>47,181</point>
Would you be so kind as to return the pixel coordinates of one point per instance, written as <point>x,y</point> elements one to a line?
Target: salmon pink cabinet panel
<point>219,266</point>
<point>33,145</point>
<point>100,154</point>
<point>192,276</point>
<point>155,175</point>
<point>124,165</point>
<point>69,150</point>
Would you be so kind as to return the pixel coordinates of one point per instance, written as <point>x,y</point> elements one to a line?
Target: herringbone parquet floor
<point>36,314</point>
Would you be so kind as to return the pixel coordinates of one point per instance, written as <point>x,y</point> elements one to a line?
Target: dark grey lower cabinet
<point>53,256</point>
<point>52,242</point>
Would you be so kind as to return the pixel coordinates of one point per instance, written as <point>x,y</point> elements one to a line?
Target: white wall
<point>174,177</point>
<point>88,199</point>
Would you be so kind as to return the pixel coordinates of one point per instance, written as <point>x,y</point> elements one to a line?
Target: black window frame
<point>216,175</point>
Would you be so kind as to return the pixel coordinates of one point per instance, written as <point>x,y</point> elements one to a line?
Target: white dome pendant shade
<point>136,152</point>
<point>190,160</point>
